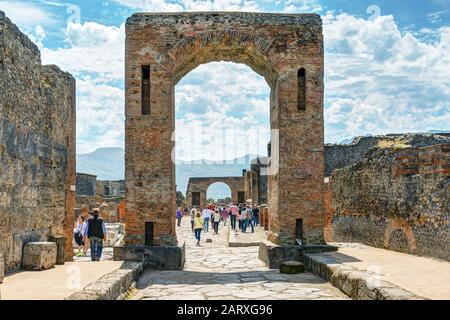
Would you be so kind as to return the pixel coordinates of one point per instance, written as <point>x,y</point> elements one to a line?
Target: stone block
<point>39,255</point>
<point>292,267</point>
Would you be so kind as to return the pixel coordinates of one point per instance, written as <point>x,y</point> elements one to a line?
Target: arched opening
<point>221,115</point>
<point>218,193</point>
<point>179,44</point>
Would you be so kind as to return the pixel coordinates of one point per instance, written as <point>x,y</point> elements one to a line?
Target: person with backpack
<point>96,232</point>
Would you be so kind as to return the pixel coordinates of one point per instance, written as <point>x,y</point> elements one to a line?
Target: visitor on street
<point>206,215</point>
<point>193,214</point>
<point>78,235</point>
<point>224,214</point>
<point>238,218</point>
<point>198,226</point>
<point>216,221</point>
<point>179,216</point>
<point>256,216</point>
<point>244,220</point>
<point>96,232</point>
<point>233,212</point>
<point>250,218</point>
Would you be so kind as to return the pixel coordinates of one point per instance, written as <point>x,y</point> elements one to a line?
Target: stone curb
<point>111,286</point>
<point>358,285</point>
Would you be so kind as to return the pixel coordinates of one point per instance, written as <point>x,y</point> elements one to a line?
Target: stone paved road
<point>216,271</point>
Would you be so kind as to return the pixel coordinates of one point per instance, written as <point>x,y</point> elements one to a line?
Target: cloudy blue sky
<point>387,70</point>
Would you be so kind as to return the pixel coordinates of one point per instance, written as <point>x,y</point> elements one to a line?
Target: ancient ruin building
<point>396,197</point>
<point>287,49</point>
<point>37,147</point>
<point>86,184</point>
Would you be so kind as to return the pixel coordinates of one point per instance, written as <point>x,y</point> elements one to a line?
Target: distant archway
<point>219,192</point>
<point>196,193</point>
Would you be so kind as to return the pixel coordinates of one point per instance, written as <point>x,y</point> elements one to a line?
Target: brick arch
<point>161,48</point>
<point>403,225</point>
<point>201,185</point>
<point>223,45</point>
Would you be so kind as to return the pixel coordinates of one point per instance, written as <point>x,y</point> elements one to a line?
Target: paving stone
<point>241,276</point>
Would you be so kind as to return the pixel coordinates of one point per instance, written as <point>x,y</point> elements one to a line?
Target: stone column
<point>296,189</point>
<point>150,171</point>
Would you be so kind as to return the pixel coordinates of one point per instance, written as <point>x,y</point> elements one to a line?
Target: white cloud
<point>26,14</point>
<point>299,6</point>
<point>94,48</point>
<point>380,80</point>
<point>191,5</point>
<point>100,115</point>
<point>222,112</point>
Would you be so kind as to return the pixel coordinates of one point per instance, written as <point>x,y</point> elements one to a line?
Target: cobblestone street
<point>216,271</point>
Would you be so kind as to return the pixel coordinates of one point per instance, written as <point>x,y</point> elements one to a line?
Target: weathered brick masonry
<point>396,198</point>
<point>37,147</point>
<point>286,49</point>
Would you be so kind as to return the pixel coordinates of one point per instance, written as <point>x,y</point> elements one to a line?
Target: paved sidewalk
<point>239,239</point>
<point>426,277</point>
<point>56,283</point>
<point>216,271</point>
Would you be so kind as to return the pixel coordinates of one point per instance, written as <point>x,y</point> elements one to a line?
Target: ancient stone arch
<point>403,225</point>
<point>287,50</point>
<point>200,185</point>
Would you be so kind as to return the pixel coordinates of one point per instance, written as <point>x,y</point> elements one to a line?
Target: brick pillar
<point>296,190</point>
<point>150,171</point>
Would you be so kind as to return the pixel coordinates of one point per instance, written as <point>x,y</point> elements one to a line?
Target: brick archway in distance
<point>287,49</point>
<point>201,185</point>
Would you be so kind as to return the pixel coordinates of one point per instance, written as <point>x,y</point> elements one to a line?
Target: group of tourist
<point>244,214</point>
<point>90,232</point>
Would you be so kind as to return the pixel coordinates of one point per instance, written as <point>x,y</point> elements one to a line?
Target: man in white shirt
<point>206,215</point>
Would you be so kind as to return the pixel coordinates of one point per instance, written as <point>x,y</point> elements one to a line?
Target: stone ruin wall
<point>341,155</point>
<point>395,198</point>
<point>37,147</point>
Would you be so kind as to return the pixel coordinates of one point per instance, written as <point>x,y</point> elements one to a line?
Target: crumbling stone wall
<point>37,147</point>
<point>109,207</point>
<point>341,155</point>
<point>86,184</point>
<point>396,198</point>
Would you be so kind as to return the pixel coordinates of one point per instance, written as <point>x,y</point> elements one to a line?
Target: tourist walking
<point>238,218</point>
<point>224,214</point>
<point>244,220</point>
<point>206,215</point>
<point>179,215</point>
<point>233,212</point>
<point>193,213</point>
<point>96,232</point>
<point>256,216</point>
<point>198,226</point>
<point>84,233</point>
<point>250,218</point>
<point>216,221</point>
<point>78,235</point>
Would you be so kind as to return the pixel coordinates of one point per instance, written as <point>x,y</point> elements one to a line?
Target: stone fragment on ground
<point>39,256</point>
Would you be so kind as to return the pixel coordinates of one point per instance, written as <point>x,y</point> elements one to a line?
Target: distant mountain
<point>109,164</point>
<point>106,163</point>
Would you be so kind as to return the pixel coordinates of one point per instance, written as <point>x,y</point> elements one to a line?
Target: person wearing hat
<point>96,232</point>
